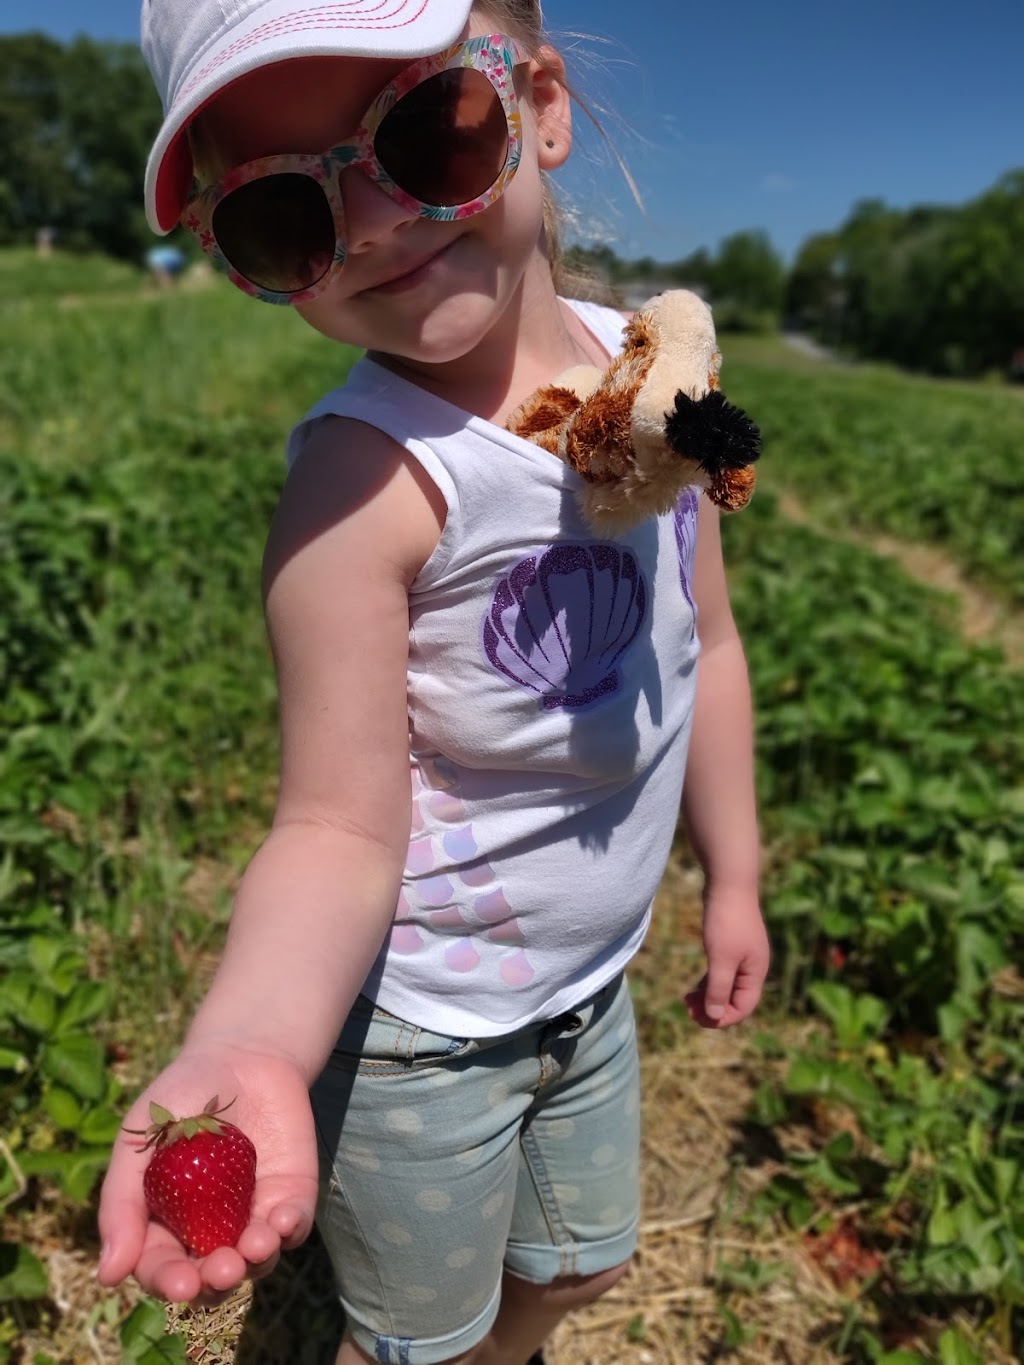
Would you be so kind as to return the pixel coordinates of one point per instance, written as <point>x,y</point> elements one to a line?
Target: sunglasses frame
<point>496,55</point>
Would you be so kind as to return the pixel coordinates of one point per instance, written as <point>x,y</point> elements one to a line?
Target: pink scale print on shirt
<point>516,970</point>
<point>451,892</point>
<point>405,938</point>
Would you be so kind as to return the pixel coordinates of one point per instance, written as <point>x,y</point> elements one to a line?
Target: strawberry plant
<point>128,722</point>
<point>873,448</point>
<point>890,760</point>
<point>140,455</point>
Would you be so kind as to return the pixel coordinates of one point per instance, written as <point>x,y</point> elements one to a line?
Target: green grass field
<point>842,1180</point>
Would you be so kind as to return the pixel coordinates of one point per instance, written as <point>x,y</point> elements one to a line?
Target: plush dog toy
<point>654,423</point>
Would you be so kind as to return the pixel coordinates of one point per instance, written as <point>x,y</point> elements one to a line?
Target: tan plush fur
<point>611,428</point>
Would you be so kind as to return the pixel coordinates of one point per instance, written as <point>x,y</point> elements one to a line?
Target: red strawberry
<point>200,1178</point>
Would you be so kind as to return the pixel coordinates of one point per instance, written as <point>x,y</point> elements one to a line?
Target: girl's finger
<point>258,1242</point>
<point>165,1271</point>
<point>123,1220</point>
<point>292,1222</point>
<point>223,1270</point>
<point>718,986</point>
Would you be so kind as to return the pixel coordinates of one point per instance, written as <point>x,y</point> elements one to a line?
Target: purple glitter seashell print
<point>561,620</point>
<point>685,517</point>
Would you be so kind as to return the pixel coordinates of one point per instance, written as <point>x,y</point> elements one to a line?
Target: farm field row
<point>866,1126</point>
<point>869,447</point>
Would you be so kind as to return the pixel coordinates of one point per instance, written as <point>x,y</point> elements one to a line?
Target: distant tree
<point>33,151</point>
<point>598,261</point>
<point>933,288</point>
<point>748,281</point>
<point>697,269</point>
<point>813,292</point>
<point>76,123</point>
<point>984,282</point>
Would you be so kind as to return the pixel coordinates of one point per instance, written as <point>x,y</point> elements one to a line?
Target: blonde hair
<point>522,19</point>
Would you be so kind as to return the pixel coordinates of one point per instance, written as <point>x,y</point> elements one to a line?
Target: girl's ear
<point>552,108</point>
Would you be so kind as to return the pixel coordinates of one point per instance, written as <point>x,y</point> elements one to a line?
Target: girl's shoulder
<point>360,499</point>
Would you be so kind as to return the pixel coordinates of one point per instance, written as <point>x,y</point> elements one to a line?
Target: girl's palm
<point>271,1105</point>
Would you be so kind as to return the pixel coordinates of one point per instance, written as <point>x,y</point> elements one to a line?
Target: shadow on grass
<point>294,1317</point>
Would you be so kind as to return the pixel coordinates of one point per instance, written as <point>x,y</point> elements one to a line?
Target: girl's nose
<point>371,216</point>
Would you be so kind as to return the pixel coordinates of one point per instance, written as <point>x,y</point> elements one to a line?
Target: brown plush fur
<point>611,427</point>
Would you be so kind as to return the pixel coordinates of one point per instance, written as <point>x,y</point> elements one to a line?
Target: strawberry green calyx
<point>166,1129</point>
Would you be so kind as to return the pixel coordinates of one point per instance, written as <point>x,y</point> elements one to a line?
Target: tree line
<point>935,289</point>
<point>76,123</point>
<point>939,289</point>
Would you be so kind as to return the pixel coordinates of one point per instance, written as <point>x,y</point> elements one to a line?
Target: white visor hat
<point>195,48</point>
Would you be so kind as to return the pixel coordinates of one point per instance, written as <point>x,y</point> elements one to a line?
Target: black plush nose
<point>712,432</point>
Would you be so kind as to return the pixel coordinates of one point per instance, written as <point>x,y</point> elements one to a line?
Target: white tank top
<point>550,693</point>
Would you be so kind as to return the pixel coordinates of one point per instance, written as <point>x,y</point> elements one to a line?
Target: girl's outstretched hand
<point>271,1105</point>
<point>736,944</point>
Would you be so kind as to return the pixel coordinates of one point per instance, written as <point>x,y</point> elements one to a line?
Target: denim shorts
<point>446,1161</point>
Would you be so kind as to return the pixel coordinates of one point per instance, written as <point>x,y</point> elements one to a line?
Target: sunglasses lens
<point>446,141</point>
<point>278,232</point>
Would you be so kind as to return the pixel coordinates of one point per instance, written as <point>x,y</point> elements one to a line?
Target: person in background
<point>486,712</point>
<point>165,263</point>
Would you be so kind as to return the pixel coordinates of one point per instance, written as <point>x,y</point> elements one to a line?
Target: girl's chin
<point>443,333</point>
<point>434,322</point>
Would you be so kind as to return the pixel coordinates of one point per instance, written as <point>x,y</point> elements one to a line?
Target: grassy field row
<point>869,447</point>
<point>877,1131</point>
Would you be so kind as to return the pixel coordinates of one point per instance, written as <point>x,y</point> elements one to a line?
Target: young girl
<point>485,710</point>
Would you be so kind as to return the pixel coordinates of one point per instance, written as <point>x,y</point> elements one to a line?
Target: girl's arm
<point>719,806</point>
<point>356,522</point>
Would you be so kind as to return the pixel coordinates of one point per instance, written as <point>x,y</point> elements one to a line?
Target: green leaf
<point>954,1020</point>
<point>76,1060</point>
<point>31,1005</point>
<point>734,1334</point>
<point>979,954</point>
<point>100,1126</point>
<point>75,1172</point>
<point>83,1172</point>
<point>87,1000</point>
<point>63,1108</point>
<point>11,1060</point>
<point>855,1018</point>
<point>45,952</point>
<point>170,1350</point>
<point>807,1075</point>
<point>22,1275</point>
<point>144,1326</point>
<point>956,1350</point>
<point>840,1147</point>
<point>1006,1175</point>
<point>838,1080</point>
<point>942,1226</point>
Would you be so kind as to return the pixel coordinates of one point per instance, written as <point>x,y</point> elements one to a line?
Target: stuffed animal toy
<point>653,424</point>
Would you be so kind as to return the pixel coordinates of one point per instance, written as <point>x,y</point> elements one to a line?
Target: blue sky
<point>773,114</point>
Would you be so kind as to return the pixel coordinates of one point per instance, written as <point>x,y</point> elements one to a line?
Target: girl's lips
<point>410,277</point>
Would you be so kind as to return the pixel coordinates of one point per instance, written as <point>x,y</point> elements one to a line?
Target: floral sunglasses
<point>443,139</point>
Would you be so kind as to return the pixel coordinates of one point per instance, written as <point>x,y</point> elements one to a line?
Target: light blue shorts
<point>446,1161</point>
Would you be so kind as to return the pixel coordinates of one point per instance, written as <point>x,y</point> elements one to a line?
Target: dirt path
<point>983,617</point>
